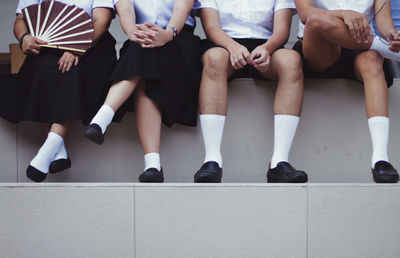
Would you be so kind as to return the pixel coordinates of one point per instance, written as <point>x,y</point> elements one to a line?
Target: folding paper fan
<point>61,26</point>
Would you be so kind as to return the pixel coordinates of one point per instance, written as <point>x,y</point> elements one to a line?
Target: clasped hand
<point>149,35</point>
<point>240,57</point>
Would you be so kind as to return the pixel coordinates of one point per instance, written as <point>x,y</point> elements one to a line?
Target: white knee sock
<point>212,127</point>
<point>382,47</point>
<point>284,130</point>
<point>47,152</point>
<point>379,130</point>
<point>152,160</point>
<point>62,153</point>
<point>103,117</point>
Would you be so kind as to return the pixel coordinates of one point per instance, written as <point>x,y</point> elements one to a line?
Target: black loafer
<point>35,174</point>
<point>210,172</point>
<point>152,175</point>
<point>93,132</point>
<point>384,172</point>
<point>59,165</point>
<point>285,173</point>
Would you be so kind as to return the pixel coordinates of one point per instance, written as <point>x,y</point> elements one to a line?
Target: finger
<point>246,54</point>
<point>367,29</point>
<point>351,29</point>
<point>70,63</point>
<point>35,51</point>
<point>357,31</point>
<point>39,41</point>
<point>61,65</point>
<point>242,61</point>
<point>76,61</point>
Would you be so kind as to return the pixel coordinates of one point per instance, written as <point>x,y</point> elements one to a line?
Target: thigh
<point>217,59</point>
<point>283,61</point>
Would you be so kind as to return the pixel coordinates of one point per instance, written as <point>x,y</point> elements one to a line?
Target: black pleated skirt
<point>172,76</point>
<point>41,93</point>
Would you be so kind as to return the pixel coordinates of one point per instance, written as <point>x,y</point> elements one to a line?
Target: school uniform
<point>42,93</point>
<point>250,23</point>
<point>344,66</point>
<point>172,72</point>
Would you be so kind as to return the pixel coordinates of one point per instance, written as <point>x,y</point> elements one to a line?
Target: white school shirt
<point>87,5</point>
<point>246,18</point>
<point>157,12</point>
<point>365,7</point>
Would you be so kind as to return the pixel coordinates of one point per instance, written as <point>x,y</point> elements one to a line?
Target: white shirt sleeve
<point>25,3</point>
<point>103,3</point>
<point>116,1</point>
<point>200,4</point>
<point>284,4</point>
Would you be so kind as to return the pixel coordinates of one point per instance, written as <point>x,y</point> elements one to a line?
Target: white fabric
<point>62,152</point>
<point>103,117</point>
<point>285,127</point>
<point>379,130</point>
<point>382,47</point>
<point>212,127</point>
<point>47,152</point>
<point>365,7</point>
<point>87,5</point>
<point>158,12</point>
<point>246,19</point>
<point>152,160</point>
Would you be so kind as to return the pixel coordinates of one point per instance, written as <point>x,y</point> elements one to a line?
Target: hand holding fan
<point>60,25</point>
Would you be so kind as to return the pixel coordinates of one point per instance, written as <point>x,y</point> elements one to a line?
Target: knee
<point>320,22</point>
<point>370,63</point>
<point>290,65</point>
<point>215,62</point>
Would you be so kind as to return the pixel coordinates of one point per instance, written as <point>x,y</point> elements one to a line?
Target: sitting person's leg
<point>286,68</point>
<point>213,108</point>
<point>368,69</point>
<point>117,95</point>
<point>39,167</point>
<point>148,122</point>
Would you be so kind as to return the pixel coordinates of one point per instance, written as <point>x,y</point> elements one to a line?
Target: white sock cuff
<point>152,154</point>
<point>55,137</point>
<point>212,117</point>
<point>287,117</point>
<point>107,109</point>
<point>378,119</point>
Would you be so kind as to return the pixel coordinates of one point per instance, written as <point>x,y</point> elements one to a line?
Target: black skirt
<point>172,76</point>
<point>343,68</point>
<point>41,93</point>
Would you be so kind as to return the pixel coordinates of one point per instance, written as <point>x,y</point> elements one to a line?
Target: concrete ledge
<point>199,220</point>
<point>332,143</point>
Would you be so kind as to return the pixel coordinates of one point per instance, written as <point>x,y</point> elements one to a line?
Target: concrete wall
<point>199,221</point>
<point>332,143</point>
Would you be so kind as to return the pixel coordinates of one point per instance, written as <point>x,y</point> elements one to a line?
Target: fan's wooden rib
<point>28,18</point>
<point>38,20</point>
<point>46,19</point>
<point>70,29</point>
<point>70,42</point>
<point>55,20</point>
<point>68,22</point>
<point>61,21</point>
<point>65,48</point>
<point>71,35</point>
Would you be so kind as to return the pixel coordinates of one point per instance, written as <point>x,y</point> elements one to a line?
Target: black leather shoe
<point>35,174</point>
<point>210,172</point>
<point>285,173</point>
<point>384,172</point>
<point>59,165</point>
<point>152,175</point>
<point>94,133</point>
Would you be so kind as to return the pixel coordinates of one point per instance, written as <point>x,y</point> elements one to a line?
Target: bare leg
<point>148,121</point>
<point>120,92</point>
<point>60,129</point>
<point>213,96</point>
<point>323,37</point>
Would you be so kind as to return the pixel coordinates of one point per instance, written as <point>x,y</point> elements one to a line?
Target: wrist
<point>173,32</point>
<point>21,39</point>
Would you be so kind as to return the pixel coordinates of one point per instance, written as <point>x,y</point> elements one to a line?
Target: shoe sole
<point>207,178</point>
<point>148,180</point>
<point>93,135</point>
<point>60,166</point>
<point>386,179</point>
<point>296,180</point>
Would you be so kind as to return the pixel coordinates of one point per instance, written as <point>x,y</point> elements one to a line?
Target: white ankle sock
<point>284,130</point>
<point>47,152</point>
<point>62,153</point>
<point>379,130</point>
<point>212,127</point>
<point>103,117</point>
<point>152,160</point>
<point>382,47</point>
